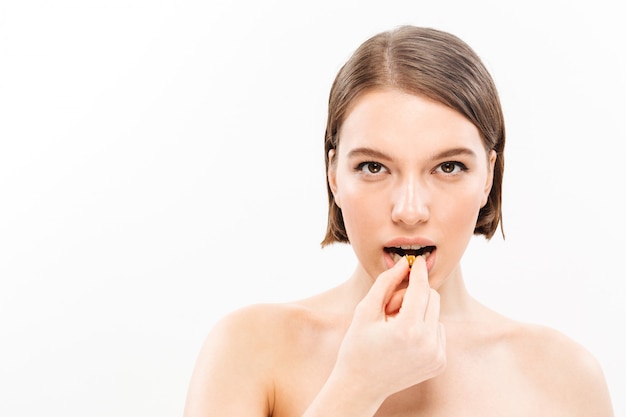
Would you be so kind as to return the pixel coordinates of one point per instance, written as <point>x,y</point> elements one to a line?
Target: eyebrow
<point>368,152</point>
<point>373,153</point>
<point>454,152</point>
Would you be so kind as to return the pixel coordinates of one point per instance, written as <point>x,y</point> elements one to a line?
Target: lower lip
<point>430,261</point>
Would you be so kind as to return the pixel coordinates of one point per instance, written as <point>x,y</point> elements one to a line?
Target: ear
<point>489,183</point>
<point>332,175</point>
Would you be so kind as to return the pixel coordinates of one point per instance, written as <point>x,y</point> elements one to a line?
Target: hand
<point>395,339</point>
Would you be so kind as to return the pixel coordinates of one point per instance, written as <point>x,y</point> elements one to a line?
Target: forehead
<point>391,117</point>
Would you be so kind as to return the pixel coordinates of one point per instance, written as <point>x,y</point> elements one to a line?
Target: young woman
<point>414,155</point>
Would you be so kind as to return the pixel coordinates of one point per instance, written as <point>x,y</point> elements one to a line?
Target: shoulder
<point>237,365</point>
<point>258,324</point>
<point>547,346</point>
<point>258,341</point>
<point>265,331</point>
<point>560,368</point>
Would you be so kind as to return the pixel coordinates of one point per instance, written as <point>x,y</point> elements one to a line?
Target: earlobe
<point>492,163</point>
<point>332,175</point>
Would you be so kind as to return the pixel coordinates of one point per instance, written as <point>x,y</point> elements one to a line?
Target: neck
<point>456,302</point>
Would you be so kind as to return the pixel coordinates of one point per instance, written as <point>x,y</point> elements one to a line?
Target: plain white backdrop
<point>161,164</point>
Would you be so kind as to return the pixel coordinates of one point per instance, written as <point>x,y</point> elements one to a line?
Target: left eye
<point>452,167</point>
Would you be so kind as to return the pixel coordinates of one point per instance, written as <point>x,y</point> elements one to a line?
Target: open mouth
<point>412,251</point>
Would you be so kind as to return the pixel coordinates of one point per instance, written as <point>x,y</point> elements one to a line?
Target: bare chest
<point>470,386</point>
<point>457,395</point>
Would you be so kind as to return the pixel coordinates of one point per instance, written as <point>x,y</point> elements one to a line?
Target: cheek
<point>362,210</point>
<point>460,211</point>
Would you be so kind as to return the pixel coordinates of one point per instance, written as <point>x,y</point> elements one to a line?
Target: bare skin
<point>273,360</point>
<point>394,341</point>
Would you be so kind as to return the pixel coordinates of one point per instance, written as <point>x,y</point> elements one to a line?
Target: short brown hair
<point>434,64</point>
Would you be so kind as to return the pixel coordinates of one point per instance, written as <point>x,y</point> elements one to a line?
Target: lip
<point>402,241</point>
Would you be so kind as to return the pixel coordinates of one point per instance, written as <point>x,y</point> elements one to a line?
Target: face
<point>410,176</point>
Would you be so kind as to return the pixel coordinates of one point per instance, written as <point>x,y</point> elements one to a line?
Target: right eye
<point>370,167</point>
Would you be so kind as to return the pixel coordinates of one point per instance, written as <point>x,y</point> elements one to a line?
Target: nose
<point>411,203</point>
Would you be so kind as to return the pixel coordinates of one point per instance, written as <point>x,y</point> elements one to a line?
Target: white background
<point>161,165</point>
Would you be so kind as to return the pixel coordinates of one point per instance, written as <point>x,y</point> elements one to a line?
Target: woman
<point>414,156</point>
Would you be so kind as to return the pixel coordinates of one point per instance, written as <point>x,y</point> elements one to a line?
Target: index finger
<point>418,291</point>
<point>375,301</point>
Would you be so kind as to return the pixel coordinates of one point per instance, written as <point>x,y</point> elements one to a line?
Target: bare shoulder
<point>273,324</point>
<point>260,333</point>
<point>541,345</point>
<point>561,368</point>
<point>235,369</point>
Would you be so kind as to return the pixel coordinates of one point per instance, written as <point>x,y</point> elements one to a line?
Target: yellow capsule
<point>410,259</point>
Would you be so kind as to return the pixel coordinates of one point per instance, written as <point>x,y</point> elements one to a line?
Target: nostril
<point>410,214</point>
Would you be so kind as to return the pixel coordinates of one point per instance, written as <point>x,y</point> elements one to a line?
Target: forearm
<point>341,398</point>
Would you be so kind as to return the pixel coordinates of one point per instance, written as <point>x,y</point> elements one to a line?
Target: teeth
<point>411,247</point>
